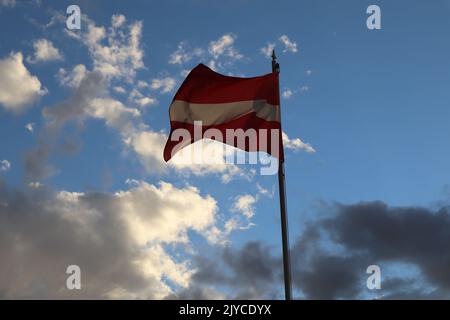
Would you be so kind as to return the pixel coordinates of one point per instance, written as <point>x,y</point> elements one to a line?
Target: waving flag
<point>222,103</point>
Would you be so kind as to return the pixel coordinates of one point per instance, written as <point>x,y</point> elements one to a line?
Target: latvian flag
<point>223,103</point>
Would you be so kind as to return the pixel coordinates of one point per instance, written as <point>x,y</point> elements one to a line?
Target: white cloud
<point>18,88</point>
<point>119,89</point>
<point>245,205</point>
<point>268,49</point>
<point>44,51</point>
<point>166,85</point>
<point>287,93</point>
<point>297,144</point>
<point>115,52</point>
<point>183,55</point>
<point>114,113</point>
<point>141,100</point>
<point>30,127</point>
<point>142,84</point>
<point>117,20</point>
<point>219,53</point>
<point>74,78</point>
<point>289,45</point>
<point>308,72</point>
<point>146,101</point>
<point>5,165</point>
<point>35,185</point>
<point>224,46</point>
<point>265,192</point>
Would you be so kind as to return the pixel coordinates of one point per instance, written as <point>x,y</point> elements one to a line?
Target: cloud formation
<point>5,165</point>
<point>44,51</point>
<point>297,144</point>
<point>289,45</point>
<point>18,88</point>
<point>369,233</point>
<point>118,240</point>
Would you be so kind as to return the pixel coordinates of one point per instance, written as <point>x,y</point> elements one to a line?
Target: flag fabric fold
<point>222,102</point>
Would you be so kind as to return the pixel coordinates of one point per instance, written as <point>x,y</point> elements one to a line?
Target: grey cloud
<point>330,257</point>
<point>250,272</point>
<point>73,108</point>
<point>374,233</point>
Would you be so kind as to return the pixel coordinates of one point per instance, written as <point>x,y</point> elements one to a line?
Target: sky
<point>84,119</point>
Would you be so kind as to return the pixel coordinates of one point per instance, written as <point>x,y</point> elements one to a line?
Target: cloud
<point>44,51</point>
<point>289,45</point>
<point>265,192</point>
<point>18,88</point>
<point>245,205</point>
<point>119,89</point>
<point>369,233</point>
<point>72,79</point>
<point>196,293</point>
<point>165,85</point>
<point>117,20</point>
<point>224,46</point>
<point>116,52</point>
<point>287,93</point>
<point>332,253</point>
<point>183,55</point>
<point>219,53</point>
<point>297,144</point>
<point>73,108</point>
<point>118,240</point>
<point>141,100</point>
<point>268,49</point>
<point>91,98</point>
<point>5,165</point>
<point>250,272</point>
<point>30,127</point>
<point>114,113</point>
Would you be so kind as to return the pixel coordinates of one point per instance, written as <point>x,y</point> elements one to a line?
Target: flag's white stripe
<point>218,113</point>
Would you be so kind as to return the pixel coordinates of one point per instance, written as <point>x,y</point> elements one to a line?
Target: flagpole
<point>284,218</point>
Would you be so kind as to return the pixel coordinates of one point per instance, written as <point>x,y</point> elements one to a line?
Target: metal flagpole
<point>284,218</point>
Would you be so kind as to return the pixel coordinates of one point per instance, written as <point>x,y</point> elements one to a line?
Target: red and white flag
<point>223,103</point>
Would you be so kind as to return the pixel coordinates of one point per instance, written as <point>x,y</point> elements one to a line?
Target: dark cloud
<point>250,272</point>
<point>43,231</point>
<point>330,258</point>
<point>373,233</point>
<point>196,293</point>
<point>71,109</point>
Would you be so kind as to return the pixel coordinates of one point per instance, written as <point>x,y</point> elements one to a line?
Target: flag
<point>222,103</point>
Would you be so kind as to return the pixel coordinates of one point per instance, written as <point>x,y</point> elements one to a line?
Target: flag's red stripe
<point>203,85</point>
<point>249,121</point>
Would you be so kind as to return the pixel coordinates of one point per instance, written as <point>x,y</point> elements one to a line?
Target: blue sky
<point>371,103</point>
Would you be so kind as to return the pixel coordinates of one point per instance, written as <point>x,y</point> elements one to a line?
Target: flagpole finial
<point>275,64</point>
